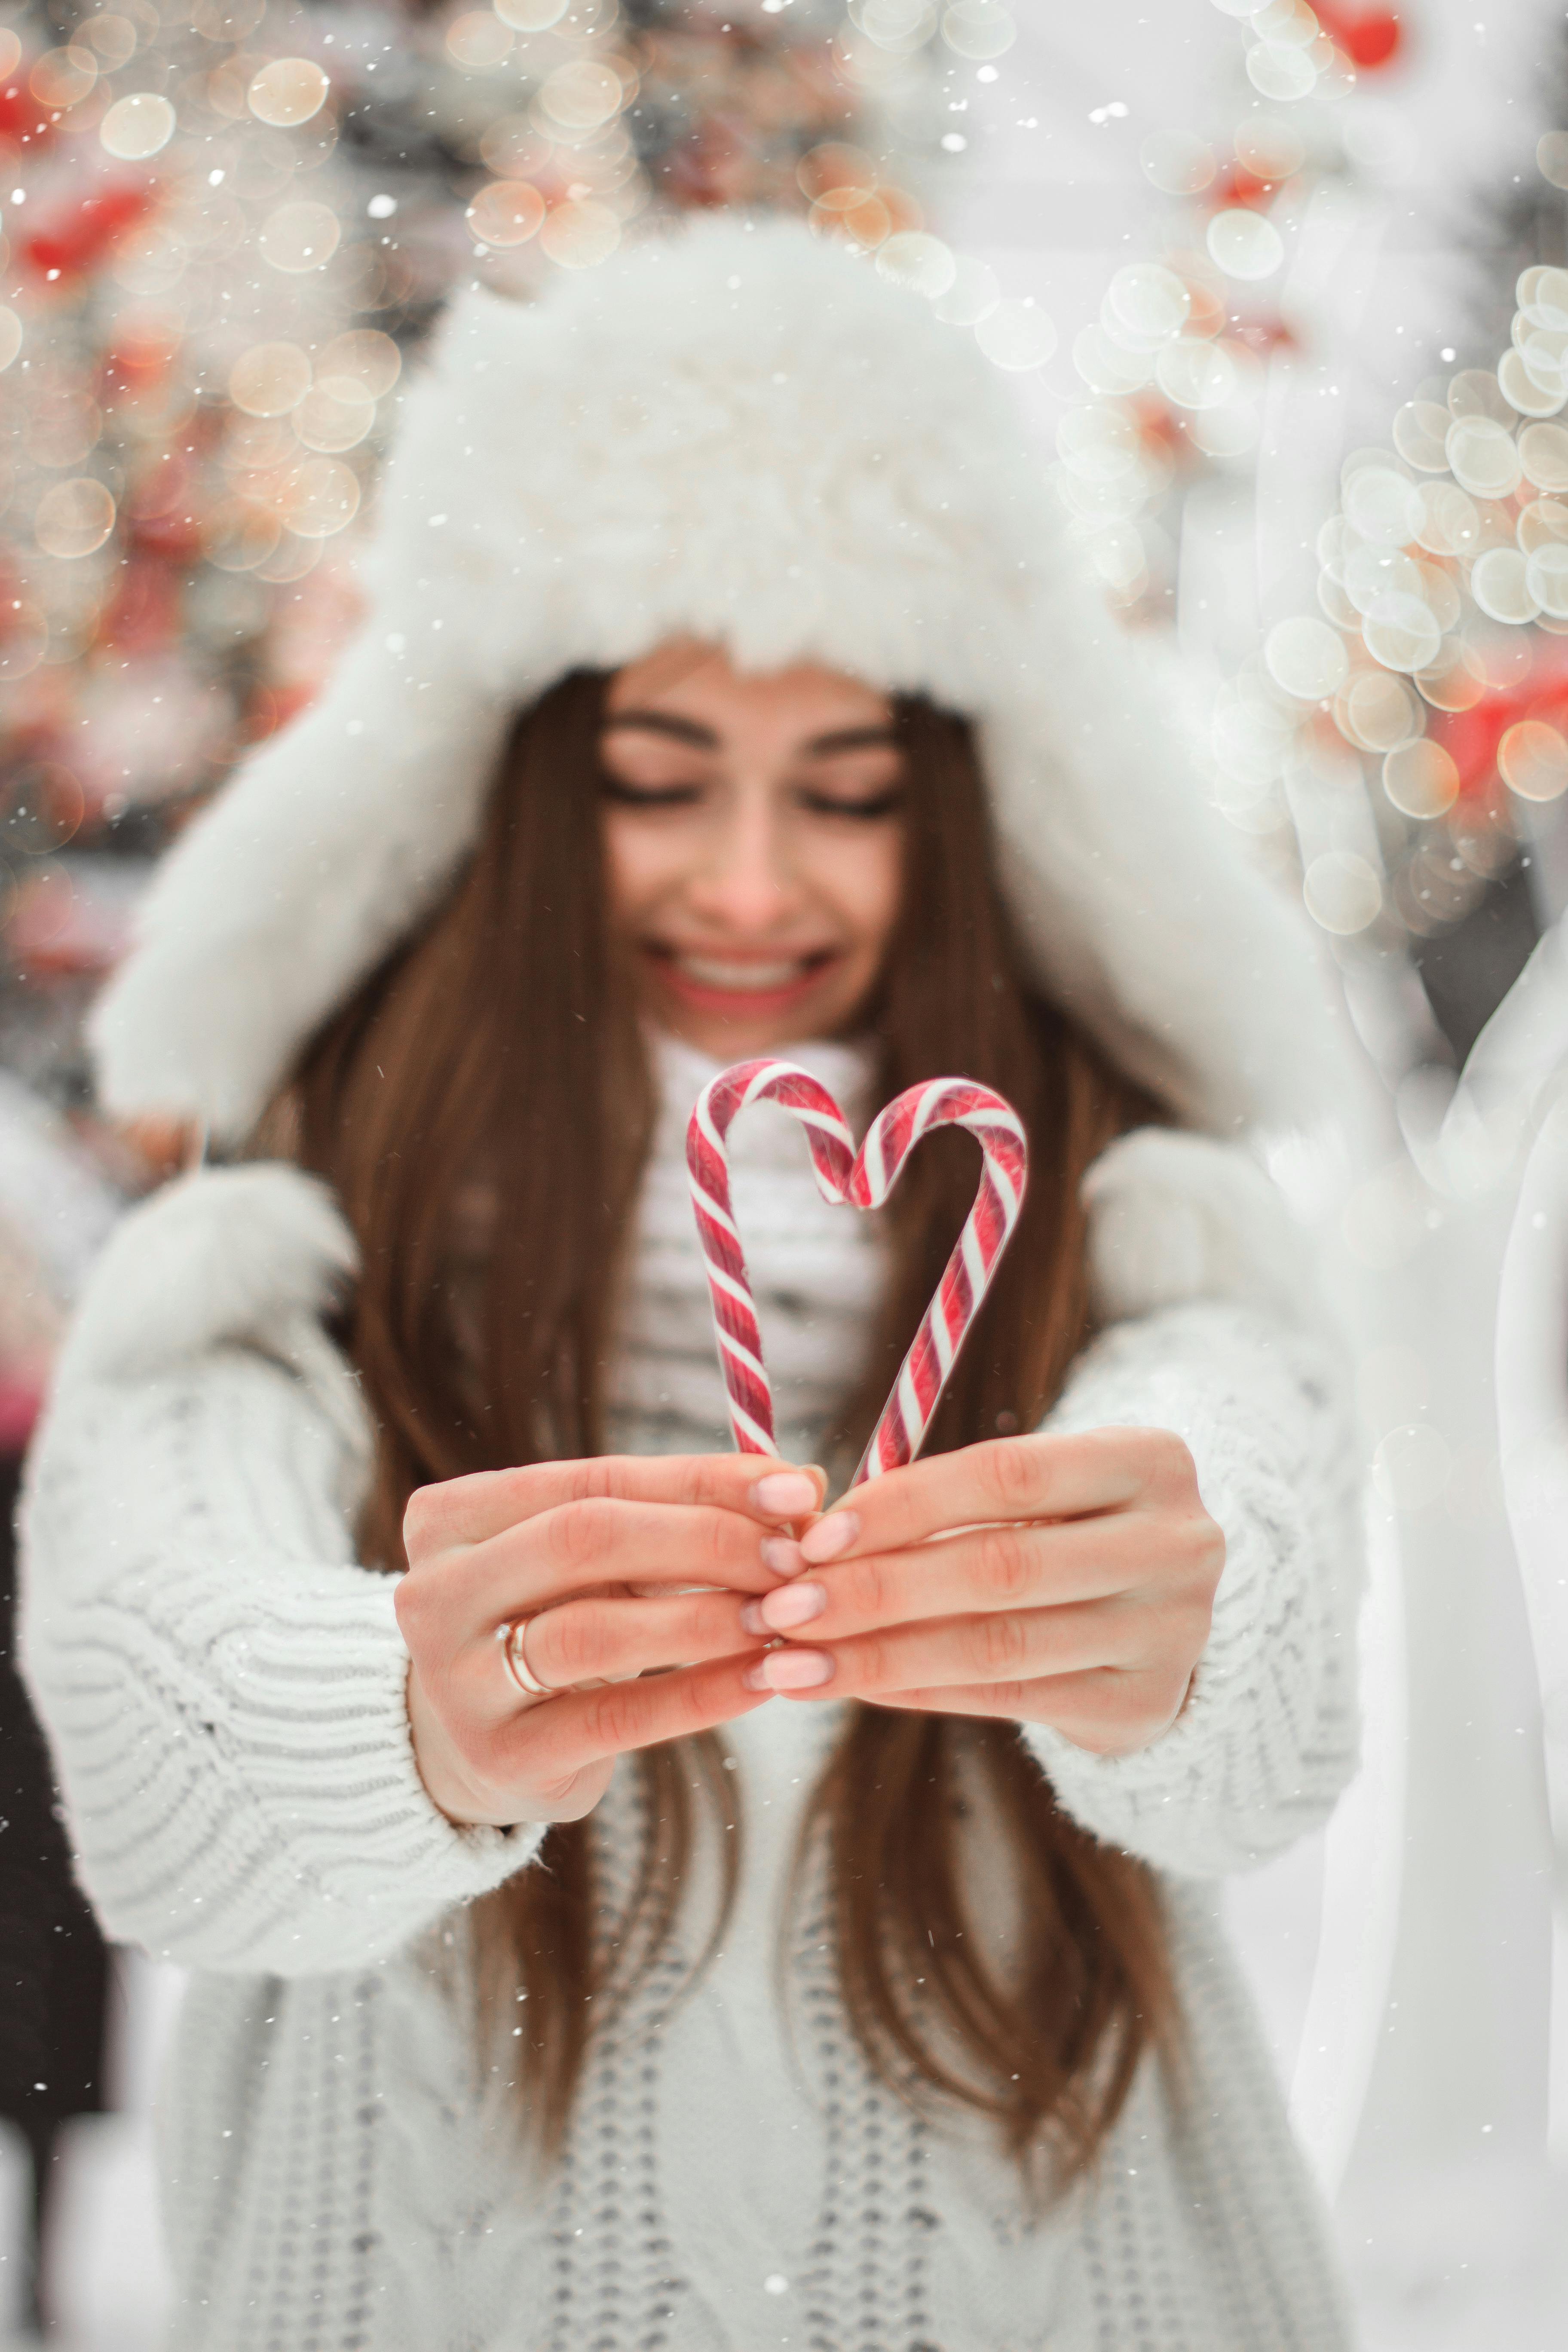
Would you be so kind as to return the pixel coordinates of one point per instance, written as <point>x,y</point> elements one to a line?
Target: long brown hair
<point>499,1046</point>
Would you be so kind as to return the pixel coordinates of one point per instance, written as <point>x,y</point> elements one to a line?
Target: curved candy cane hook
<point>864,1181</point>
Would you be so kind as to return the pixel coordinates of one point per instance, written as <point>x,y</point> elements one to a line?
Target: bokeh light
<point>1421,778</point>
<point>1378,712</point>
<point>1420,435</point>
<point>62,78</point>
<point>1526,392</point>
<point>326,422</point>
<point>1543,456</point>
<point>479,41</point>
<point>1546,578</point>
<point>320,498</point>
<point>74,519</point>
<point>1307,659</point>
<point>1400,632</point>
<point>1500,585</point>
<point>1016,335</point>
<point>1270,147</point>
<point>269,378</point>
<point>288,91</point>
<point>1552,156</point>
<point>974,293</point>
<point>1450,523</point>
<point>581,234</point>
<point>921,262</point>
<point>138,126</point>
<point>1177,163</point>
<point>1244,243</point>
<point>1278,72</point>
<point>1484,458</point>
<point>1533,760</point>
<point>1382,505</point>
<point>1194,374</point>
<point>581,94</point>
<point>300,237</point>
<point>110,36</point>
<point>1342,892</point>
<point>506,213</point>
<point>363,360</point>
<point>978,29</point>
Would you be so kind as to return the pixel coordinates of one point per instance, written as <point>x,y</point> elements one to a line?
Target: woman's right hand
<point>594,1554</point>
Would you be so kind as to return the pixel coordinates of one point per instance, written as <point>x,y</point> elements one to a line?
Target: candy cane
<point>864,1181</point>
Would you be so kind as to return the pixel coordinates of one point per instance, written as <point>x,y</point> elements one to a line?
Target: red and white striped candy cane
<point>864,1181</point>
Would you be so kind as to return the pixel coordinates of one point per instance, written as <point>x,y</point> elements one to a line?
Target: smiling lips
<point>712,979</point>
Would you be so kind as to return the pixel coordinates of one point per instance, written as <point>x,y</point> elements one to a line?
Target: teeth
<point>709,972</point>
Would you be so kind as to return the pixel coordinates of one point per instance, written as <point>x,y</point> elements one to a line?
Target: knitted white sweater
<point>224,1689</point>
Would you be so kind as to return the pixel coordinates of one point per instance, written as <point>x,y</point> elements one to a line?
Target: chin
<point>736,1038</point>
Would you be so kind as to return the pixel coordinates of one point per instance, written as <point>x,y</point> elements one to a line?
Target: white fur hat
<point>742,434</point>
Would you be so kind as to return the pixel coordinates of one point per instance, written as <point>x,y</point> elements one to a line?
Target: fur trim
<point>247,1255</point>
<point>1174,1218</point>
<point>257,1255</point>
<point>746,434</point>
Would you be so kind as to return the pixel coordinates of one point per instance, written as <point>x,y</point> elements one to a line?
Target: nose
<point>745,882</point>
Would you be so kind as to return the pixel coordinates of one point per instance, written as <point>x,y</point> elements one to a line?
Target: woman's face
<point>754,830</point>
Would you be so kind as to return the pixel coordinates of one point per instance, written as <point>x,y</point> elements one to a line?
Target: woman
<point>407,1631</point>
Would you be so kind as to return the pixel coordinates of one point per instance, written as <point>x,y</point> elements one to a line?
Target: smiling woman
<point>417,1651</point>
<point>754,832</point>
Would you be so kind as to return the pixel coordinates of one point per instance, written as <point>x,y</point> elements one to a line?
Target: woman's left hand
<point>1066,1581</point>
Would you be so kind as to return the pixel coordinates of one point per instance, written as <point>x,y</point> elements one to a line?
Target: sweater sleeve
<point>1269,1736</point>
<point>223,1683</point>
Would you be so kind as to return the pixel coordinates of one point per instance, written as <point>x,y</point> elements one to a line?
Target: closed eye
<point>650,796</point>
<point>856,811</point>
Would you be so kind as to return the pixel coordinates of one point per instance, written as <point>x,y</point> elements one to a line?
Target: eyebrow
<point>703,738</point>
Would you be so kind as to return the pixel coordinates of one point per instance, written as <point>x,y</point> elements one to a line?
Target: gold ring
<point>511,1636</point>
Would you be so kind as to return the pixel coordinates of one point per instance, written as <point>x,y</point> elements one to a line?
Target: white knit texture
<point>225,1689</point>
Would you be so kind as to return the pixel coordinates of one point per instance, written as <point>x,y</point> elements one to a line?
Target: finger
<point>472,1509</point>
<point>552,1742</point>
<point>606,1640</point>
<point>1040,1478</point>
<point>1015,1646</point>
<point>1106,1712</point>
<point>457,1599</point>
<point>992,1567</point>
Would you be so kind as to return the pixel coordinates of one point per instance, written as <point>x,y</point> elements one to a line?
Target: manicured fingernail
<point>751,1621</point>
<point>830,1536</point>
<point>786,1494</point>
<point>792,1605</point>
<point>782,1555</point>
<point>784,1669</point>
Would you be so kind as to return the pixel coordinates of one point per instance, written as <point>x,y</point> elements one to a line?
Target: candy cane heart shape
<point>863,1180</point>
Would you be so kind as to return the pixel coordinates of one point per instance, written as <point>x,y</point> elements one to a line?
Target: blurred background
<point>1284,293</point>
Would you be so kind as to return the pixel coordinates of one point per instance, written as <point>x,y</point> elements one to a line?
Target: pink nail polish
<point>782,1555</point>
<point>784,1669</point>
<point>830,1536</point>
<point>752,1620</point>
<point>755,1678</point>
<point>785,1494</point>
<point>792,1605</point>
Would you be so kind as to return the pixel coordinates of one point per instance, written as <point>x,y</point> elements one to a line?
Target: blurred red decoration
<point>22,118</point>
<point>1370,38</point>
<point>1237,185</point>
<point>80,236</point>
<point>1471,737</point>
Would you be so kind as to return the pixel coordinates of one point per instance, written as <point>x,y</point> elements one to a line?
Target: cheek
<point>866,882</point>
<point>637,870</point>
